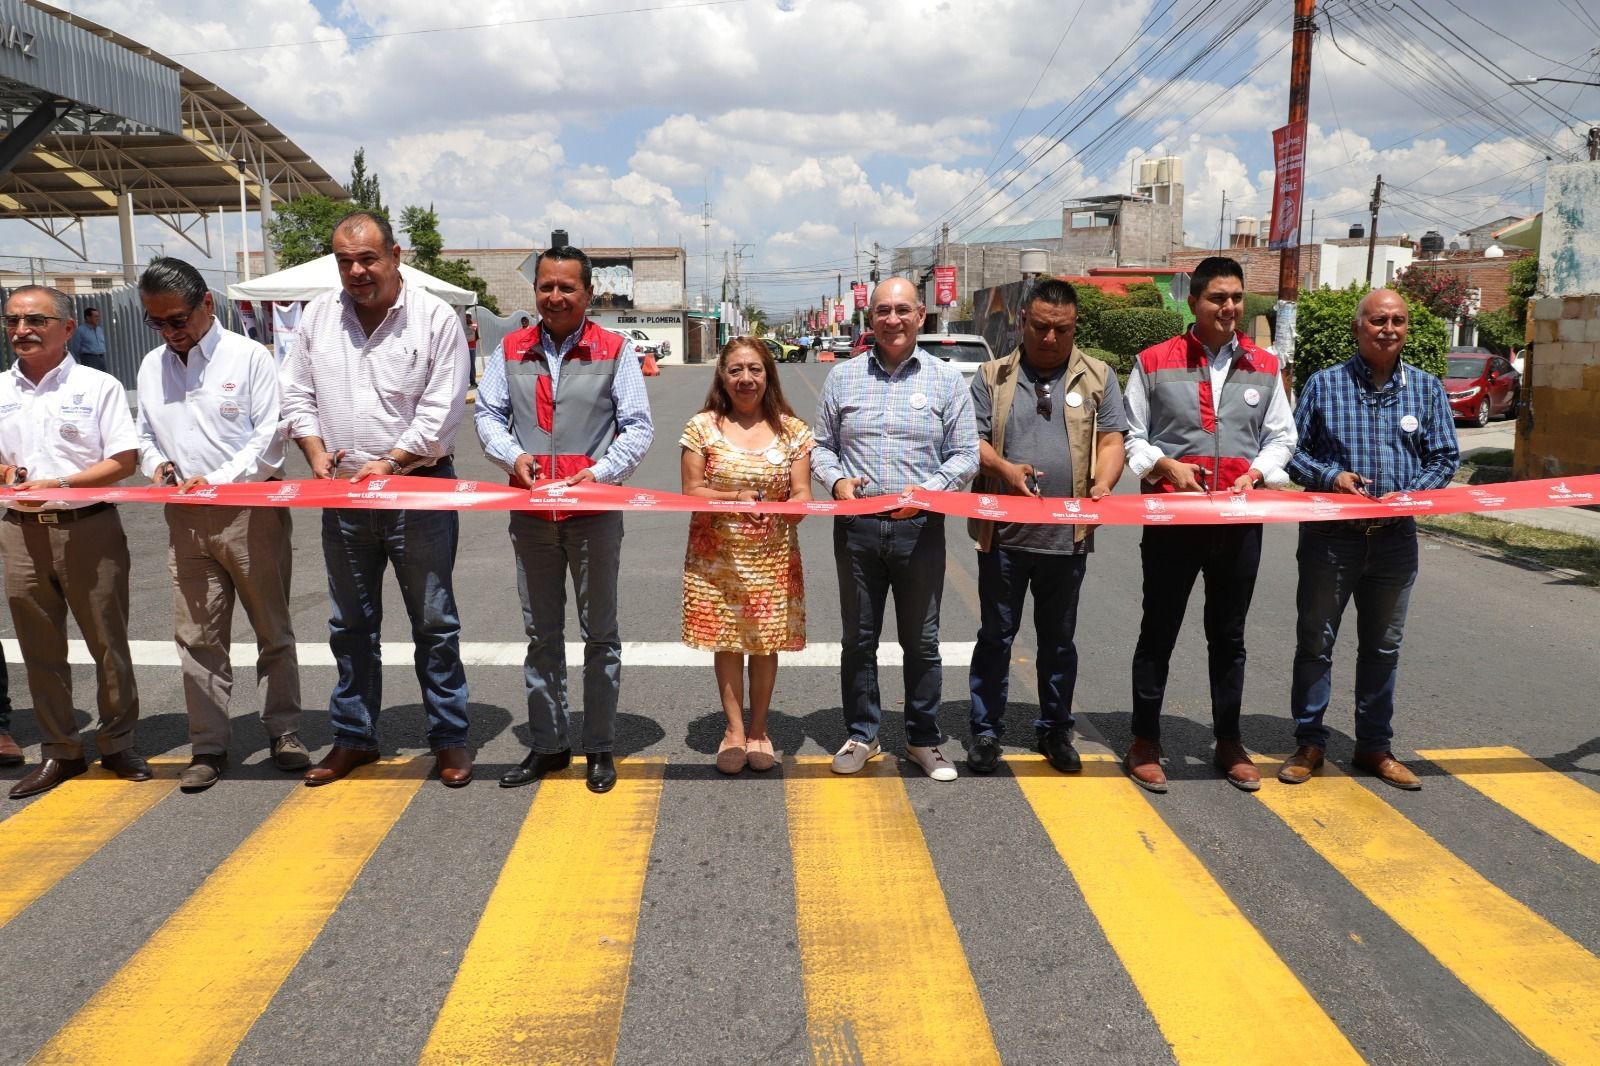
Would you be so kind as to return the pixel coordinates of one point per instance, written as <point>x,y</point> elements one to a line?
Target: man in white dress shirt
<point>63,425</point>
<point>208,415</point>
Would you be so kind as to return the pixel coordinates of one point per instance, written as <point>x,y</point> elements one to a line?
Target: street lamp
<point>1564,81</point>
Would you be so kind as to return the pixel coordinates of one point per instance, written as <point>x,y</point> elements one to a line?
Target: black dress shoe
<point>535,766</point>
<point>984,755</point>
<point>602,773</point>
<point>1056,747</point>
<point>127,764</point>
<point>50,773</point>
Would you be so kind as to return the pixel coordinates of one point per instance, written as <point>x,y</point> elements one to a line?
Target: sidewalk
<point>1574,520</point>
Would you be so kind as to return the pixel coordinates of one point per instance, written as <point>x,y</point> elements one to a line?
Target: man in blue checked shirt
<point>892,420</point>
<point>1372,426</point>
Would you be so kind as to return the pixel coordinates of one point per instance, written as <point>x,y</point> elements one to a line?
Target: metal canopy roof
<point>76,171</point>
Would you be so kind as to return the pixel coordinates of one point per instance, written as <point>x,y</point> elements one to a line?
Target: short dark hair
<point>568,254</point>
<point>91,311</point>
<point>60,301</point>
<point>368,218</point>
<point>1209,269</point>
<point>169,276</point>
<point>1055,292</point>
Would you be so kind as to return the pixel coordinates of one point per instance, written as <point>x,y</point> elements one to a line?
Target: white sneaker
<point>932,761</point>
<point>854,755</point>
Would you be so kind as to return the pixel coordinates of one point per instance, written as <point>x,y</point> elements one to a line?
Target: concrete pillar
<point>269,263</point>
<point>130,264</point>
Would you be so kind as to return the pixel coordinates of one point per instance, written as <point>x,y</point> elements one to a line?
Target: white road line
<point>507,653</point>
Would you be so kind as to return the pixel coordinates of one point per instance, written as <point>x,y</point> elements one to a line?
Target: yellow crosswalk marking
<point>886,980</point>
<point>546,973</point>
<point>1213,984</point>
<point>1536,977</point>
<point>52,837</point>
<point>193,991</point>
<point>1541,796</point>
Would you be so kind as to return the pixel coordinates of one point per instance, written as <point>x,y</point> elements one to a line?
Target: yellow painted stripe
<point>56,833</point>
<point>1208,977</point>
<point>1538,794</point>
<point>886,980</point>
<point>547,970</point>
<point>195,988</point>
<point>1535,976</point>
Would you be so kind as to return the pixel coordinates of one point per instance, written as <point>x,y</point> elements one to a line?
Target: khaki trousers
<point>217,555</point>
<point>81,566</point>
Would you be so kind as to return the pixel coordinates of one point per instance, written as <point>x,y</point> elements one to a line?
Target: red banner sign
<point>1220,508</point>
<point>859,291</point>
<point>1288,188</point>
<point>838,311</point>
<point>944,285</point>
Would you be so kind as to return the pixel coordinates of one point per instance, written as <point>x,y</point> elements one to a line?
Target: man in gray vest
<point>1050,424</point>
<point>565,399</point>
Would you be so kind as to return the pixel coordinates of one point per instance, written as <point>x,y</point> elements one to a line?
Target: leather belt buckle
<point>49,518</point>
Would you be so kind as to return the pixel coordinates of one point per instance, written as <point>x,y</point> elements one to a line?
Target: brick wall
<point>1489,275</point>
<point>1558,428</point>
<point>1260,265</point>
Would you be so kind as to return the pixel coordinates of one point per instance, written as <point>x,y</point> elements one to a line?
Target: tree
<point>302,230</point>
<point>1443,292</point>
<point>1499,331</point>
<point>1524,279</point>
<point>755,320</point>
<point>421,227</point>
<point>364,191</point>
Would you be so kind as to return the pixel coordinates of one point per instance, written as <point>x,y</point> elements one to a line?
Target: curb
<point>1486,551</point>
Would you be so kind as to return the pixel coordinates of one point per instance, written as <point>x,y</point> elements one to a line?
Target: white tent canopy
<point>310,280</point>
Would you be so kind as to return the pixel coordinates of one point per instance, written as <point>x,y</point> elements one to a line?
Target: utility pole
<point>855,313</point>
<point>1299,107</point>
<point>1222,220</point>
<point>838,294</point>
<point>944,260</point>
<point>705,283</point>
<point>1372,235</point>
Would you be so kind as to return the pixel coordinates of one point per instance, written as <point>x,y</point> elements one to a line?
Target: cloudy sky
<point>801,121</point>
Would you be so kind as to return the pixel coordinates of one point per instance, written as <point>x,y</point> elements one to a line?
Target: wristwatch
<point>63,483</point>
<point>394,464</point>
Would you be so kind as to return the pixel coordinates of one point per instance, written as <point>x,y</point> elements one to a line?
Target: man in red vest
<point>1206,413</point>
<point>565,399</point>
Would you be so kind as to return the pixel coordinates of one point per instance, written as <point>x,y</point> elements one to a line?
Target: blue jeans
<point>1378,566</point>
<point>357,546</point>
<point>589,546</point>
<point>1004,577</point>
<point>875,555</point>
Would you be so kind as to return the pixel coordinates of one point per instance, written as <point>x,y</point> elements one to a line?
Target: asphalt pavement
<point>799,917</point>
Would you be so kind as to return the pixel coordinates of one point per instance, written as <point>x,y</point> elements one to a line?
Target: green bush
<point>1092,303</point>
<point>1497,330</point>
<point>1130,330</point>
<point>1324,338</point>
<point>1145,294</point>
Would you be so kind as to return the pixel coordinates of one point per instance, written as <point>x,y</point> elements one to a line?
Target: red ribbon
<point>1220,508</point>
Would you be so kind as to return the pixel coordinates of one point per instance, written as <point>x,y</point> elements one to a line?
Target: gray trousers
<point>219,555</point>
<point>81,566</point>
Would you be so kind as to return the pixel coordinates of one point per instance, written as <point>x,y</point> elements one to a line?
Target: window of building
<point>99,283</point>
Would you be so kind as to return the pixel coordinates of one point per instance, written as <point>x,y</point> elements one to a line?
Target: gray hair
<point>62,302</point>
<point>168,276</point>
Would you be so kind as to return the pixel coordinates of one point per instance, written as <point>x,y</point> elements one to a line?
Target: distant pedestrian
<point>1050,423</point>
<point>893,421</point>
<point>743,585</point>
<point>1371,426</point>
<point>63,425</point>
<point>472,351</point>
<point>375,385</point>
<point>208,415</point>
<point>89,342</point>
<point>565,399</point>
<point>1206,413</point>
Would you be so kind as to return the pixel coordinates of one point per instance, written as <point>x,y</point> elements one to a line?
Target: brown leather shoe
<point>1232,760</point>
<point>1298,768</point>
<point>1388,768</point>
<point>50,773</point>
<point>338,763</point>
<point>455,766</point>
<point>10,754</point>
<point>1143,764</point>
<point>127,764</point>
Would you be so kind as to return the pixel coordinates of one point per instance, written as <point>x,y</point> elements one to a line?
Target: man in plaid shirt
<point>1372,426</point>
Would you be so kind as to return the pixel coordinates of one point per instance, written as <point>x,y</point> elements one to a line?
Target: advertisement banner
<point>1288,189</point>
<point>838,311</point>
<point>859,291</point>
<point>944,285</point>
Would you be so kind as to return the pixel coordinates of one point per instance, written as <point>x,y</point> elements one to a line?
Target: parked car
<point>643,345</point>
<point>967,351</point>
<point>1481,385</point>
<point>862,343</point>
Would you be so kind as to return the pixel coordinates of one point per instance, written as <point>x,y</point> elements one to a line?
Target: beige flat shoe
<point>730,757</point>
<point>760,754</point>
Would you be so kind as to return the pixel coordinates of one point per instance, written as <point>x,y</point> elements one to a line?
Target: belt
<point>54,518</point>
<point>1363,525</point>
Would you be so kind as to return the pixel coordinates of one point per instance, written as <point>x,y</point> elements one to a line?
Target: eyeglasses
<point>897,311</point>
<point>31,321</point>
<point>1042,392</point>
<point>172,322</point>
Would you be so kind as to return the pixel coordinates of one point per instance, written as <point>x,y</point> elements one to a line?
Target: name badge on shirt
<point>1409,423</point>
<point>70,431</point>
<point>1252,396</point>
<point>1074,400</point>
<point>775,455</point>
<point>919,400</point>
<point>228,409</point>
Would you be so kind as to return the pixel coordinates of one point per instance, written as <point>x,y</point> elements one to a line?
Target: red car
<point>863,343</point>
<point>1481,385</point>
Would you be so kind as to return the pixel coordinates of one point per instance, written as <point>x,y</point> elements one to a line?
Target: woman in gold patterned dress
<point>743,589</point>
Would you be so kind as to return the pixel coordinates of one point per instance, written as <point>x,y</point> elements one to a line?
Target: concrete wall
<point>1558,428</point>
<point>1569,249</point>
<point>1344,263</point>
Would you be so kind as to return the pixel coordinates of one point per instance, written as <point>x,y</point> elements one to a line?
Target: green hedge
<point>1092,303</point>
<point>1324,338</point>
<point>1128,331</point>
<point>1145,294</point>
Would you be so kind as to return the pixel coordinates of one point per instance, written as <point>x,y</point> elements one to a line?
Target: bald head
<point>897,315</point>
<point>1382,320</point>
